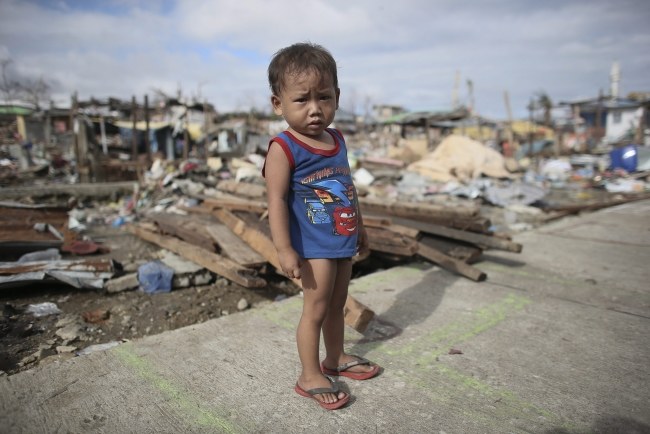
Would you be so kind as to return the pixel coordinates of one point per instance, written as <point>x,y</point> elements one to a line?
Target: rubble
<point>196,203</point>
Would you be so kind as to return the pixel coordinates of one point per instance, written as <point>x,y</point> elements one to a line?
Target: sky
<point>409,53</point>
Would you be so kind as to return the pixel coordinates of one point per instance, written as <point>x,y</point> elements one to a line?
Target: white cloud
<point>390,52</point>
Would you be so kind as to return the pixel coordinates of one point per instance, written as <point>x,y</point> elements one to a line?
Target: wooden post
<point>73,120</point>
<point>639,133</point>
<point>146,127</point>
<point>134,142</point>
<point>47,127</point>
<point>102,129</point>
<point>82,145</point>
<point>206,125</point>
<point>531,107</point>
<point>509,133</point>
<point>186,135</point>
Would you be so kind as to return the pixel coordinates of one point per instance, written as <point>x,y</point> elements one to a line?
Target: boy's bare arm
<point>278,174</point>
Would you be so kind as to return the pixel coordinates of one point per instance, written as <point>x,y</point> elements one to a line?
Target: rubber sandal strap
<point>334,388</point>
<point>359,361</point>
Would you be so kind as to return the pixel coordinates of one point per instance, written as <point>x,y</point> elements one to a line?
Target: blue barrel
<point>624,157</point>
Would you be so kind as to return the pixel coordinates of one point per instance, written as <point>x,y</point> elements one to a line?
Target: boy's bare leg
<point>318,279</point>
<point>333,326</point>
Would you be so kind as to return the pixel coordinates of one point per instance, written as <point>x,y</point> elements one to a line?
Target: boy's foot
<point>323,390</point>
<point>351,366</point>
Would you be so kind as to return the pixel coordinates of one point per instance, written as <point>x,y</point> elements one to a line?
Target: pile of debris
<point>209,217</point>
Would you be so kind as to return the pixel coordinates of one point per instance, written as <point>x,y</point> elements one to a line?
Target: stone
<point>202,278</point>
<point>181,282</point>
<point>69,333</point>
<point>242,304</point>
<point>124,283</point>
<point>65,349</point>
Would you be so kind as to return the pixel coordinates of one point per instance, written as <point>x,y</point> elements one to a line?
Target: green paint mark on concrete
<point>445,383</point>
<point>191,408</point>
<point>463,329</point>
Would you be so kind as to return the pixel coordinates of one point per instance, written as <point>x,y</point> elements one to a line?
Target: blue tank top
<point>323,214</point>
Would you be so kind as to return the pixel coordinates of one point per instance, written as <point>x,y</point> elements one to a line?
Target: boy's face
<point>308,102</point>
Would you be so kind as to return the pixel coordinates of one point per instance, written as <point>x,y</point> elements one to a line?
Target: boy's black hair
<point>297,58</point>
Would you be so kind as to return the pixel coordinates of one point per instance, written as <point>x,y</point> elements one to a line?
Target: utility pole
<point>134,142</point>
<point>454,93</point>
<point>531,108</point>
<point>509,133</point>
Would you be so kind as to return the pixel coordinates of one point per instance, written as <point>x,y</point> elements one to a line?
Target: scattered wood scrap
<point>230,236</point>
<point>480,240</point>
<point>356,314</point>
<point>210,260</point>
<point>79,273</point>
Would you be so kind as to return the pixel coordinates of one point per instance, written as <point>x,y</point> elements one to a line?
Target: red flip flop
<point>327,406</point>
<point>343,369</point>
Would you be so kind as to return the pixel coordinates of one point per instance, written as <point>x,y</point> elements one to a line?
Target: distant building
<point>610,119</point>
<point>383,112</point>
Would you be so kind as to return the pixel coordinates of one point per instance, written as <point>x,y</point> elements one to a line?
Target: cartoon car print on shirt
<point>345,220</point>
<point>344,214</point>
<point>317,213</point>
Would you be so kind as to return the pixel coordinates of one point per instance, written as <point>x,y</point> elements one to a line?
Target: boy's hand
<point>290,262</point>
<point>363,245</point>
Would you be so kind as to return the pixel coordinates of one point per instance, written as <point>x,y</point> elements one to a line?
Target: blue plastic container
<point>624,157</point>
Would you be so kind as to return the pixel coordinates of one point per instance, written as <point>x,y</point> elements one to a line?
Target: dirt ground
<point>90,317</point>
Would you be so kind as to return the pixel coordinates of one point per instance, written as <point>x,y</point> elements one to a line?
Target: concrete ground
<point>557,340</point>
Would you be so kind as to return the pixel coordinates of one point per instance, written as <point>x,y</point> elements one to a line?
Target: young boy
<point>313,213</point>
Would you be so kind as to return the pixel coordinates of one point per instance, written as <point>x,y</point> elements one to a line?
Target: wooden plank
<point>384,240</point>
<point>450,263</point>
<point>470,237</point>
<point>476,224</point>
<point>246,189</point>
<point>397,208</point>
<point>184,228</point>
<point>356,314</point>
<point>480,225</point>
<point>233,247</point>
<point>456,249</point>
<point>376,221</point>
<point>258,207</point>
<point>210,260</point>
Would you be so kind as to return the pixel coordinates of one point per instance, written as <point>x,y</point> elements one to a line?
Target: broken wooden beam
<point>255,206</point>
<point>356,314</point>
<point>210,260</point>
<point>184,228</point>
<point>480,240</point>
<point>232,246</point>
<point>479,225</point>
<point>100,189</point>
<point>456,249</point>
<point>386,241</point>
<point>408,209</point>
<point>451,264</point>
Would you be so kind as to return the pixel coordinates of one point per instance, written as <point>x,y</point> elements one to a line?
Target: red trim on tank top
<point>324,152</point>
<point>287,151</point>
